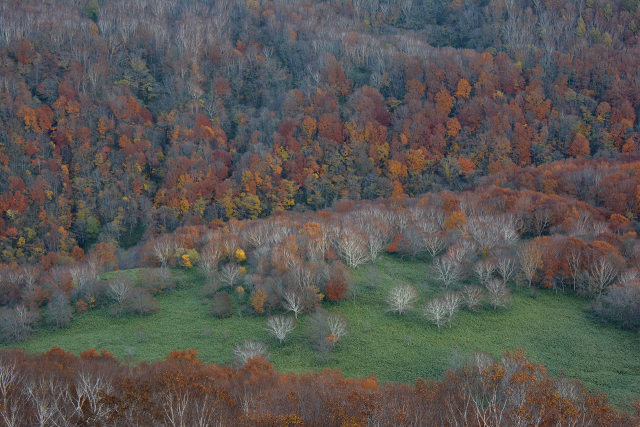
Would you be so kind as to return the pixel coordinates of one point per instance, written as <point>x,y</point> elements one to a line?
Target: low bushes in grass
<point>621,306</point>
<point>221,305</point>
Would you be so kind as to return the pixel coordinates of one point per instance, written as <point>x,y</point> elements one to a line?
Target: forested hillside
<point>125,117</point>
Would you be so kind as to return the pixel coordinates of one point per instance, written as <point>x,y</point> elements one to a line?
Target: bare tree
<point>58,312</point>
<point>459,251</point>
<point>337,325</point>
<point>293,301</point>
<point>280,326</point>
<point>447,270</point>
<point>44,394</point>
<point>15,324</point>
<point>30,275</point>
<point>541,219</point>
<point>484,269</point>
<point>174,406</point>
<point>256,233</point>
<point>90,387</point>
<point>353,249</point>
<point>530,256</point>
<point>405,7</point>
<point>302,274</point>
<point>375,239</point>
<point>375,230</point>
<point>452,302</point>
<point>601,273</point>
<point>162,250</point>
<point>484,231</point>
<point>505,266</point>
<point>629,276</point>
<point>10,382</point>
<point>574,260</point>
<point>435,311</point>
<point>230,243</point>
<point>84,276</point>
<point>209,259</point>
<point>119,290</point>
<point>230,273</point>
<point>327,327</point>
<point>499,295</point>
<point>249,349</point>
<point>318,240</point>
<point>434,243</point>
<point>472,297</point>
<point>401,298</point>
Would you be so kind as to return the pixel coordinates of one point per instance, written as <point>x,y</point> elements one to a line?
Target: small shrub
<point>325,330</point>
<point>141,335</point>
<point>336,288</point>
<point>185,258</point>
<point>158,280</point>
<point>210,289</point>
<point>239,255</point>
<point>621,306</point>
<point>206,332</point>
<point>258,298</point>
<point>81,306</point>
<point>221,305</point>
<point>139,301</point>
<point>130,300</point>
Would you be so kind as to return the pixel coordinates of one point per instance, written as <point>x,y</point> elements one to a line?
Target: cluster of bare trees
<point>324,329</point>
<point>52,398</point>
<point>439,311</point>
<point>294,258</point>
<point>16,323</point>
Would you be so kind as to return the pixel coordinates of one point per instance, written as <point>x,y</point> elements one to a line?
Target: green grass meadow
<point>553,329</point>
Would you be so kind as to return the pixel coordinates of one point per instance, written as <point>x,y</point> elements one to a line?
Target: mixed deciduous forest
<point>268,152</point>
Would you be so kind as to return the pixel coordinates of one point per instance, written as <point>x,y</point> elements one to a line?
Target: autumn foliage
<point>120,119</point>
<point>182,390</point>
<point>274,145</point>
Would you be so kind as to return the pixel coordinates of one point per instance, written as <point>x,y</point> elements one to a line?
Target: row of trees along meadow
<point>134,116</point>
<point>58,388</point>
<point>293,262</point>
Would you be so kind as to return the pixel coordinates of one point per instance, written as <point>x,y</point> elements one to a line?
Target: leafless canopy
<point>402,298</point>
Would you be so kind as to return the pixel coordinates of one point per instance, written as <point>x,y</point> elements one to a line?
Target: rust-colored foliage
<point>258,298</point>
<point>184,391</point>
<point>336,288</point>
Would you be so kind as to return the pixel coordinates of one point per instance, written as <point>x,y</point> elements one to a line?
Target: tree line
<point>60,388</point>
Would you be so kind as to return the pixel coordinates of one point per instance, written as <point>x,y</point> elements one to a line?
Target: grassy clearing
<point>552,329</point>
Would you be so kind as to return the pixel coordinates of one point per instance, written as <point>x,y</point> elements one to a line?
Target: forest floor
<point>553,329</point>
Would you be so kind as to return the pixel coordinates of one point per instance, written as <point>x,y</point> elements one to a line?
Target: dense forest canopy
<point>125,117</point>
